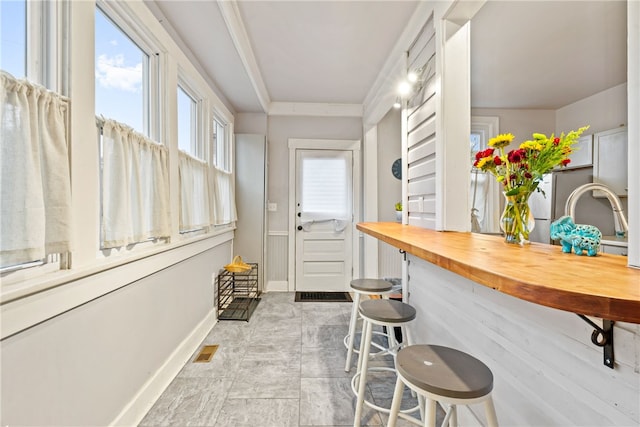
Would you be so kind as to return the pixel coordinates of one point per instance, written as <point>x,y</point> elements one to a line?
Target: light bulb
<point>397,104</point>
<point>404,88</point>
<point>412,76</point>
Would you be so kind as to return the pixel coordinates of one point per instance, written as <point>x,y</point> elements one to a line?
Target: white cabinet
<point>582,154</point>
<point>615,250</point>
<point>610,160</point>
<point>251,185</point>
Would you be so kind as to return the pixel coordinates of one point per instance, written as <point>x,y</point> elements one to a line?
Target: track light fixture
<point>412,82</point>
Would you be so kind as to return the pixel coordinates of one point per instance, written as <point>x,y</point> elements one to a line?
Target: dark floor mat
<point>323,297</point>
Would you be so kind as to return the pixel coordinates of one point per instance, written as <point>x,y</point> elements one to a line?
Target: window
<point>187,123</point>
<point>124,71</point>
<point>324,193</point>
<point>190,126</point>
<point>221,146</point>
<point>193,164</point>
<point>32,41</point>
<point>13,33</point>
<point>32,49</point>
<point>134,167</point>
<point>224,204</point>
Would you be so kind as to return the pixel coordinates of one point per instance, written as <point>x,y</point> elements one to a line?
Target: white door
<point>324,220</point>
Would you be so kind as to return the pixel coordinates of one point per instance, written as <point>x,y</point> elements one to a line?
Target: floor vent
<point>206,354</point>
<point>323,297</point>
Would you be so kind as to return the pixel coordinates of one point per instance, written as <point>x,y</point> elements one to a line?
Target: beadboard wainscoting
<point>547,371</point>
<point>389,261</point>
<point>277,265</point>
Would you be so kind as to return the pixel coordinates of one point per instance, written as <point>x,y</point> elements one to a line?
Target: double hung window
<point>34,162</point>
<point>193,167</point>
<point>134,167</point>
<point>224,210</point>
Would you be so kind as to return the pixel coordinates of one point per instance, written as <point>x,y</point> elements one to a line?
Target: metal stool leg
<point>430,413</point>
<point>490,411</point>
<point>453,416</point>
<point>395,403</point>
<point>352,330</point>
<point>363,362</point>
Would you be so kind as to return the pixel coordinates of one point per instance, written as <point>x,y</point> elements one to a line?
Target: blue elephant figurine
<point>579,237</point>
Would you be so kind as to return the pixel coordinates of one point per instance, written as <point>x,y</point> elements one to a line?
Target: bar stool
<point>390,314</point>
<point>444,375</point>
<point>362,287</point>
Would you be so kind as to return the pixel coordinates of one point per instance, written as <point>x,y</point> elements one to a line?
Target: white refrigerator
<point>542,209</point>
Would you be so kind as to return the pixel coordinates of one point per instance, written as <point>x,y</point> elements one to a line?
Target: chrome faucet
<point>621,224</point>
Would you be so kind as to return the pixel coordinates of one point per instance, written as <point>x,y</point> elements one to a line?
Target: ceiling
<point>525,54</point>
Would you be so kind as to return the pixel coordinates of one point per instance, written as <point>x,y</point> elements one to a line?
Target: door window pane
<point>13,36</point>
<point>121,69</point>
<point>325,186</point>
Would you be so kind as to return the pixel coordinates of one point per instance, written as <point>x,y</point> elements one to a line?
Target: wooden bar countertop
<point>601,286</point>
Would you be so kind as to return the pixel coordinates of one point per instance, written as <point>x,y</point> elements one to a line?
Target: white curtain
<point>224,201</point>
<point>35,184</point>
<point>135,187</point>
<point>195,200</point>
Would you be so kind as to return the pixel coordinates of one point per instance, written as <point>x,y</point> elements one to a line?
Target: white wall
<point>389,188</point>
<point>546,370</point>
<point>86,365</point>
<point>389,149</point>
<point>251,123</point>
<point>602,111</point>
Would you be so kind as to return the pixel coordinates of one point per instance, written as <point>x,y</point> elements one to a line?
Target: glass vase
<point>517,220</point>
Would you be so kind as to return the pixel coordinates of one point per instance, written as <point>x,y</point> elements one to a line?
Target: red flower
<point>565,162</point>
<point>556,141</point>
<point>528,175</point>
<point>516,156</point>
<point>497,160</point>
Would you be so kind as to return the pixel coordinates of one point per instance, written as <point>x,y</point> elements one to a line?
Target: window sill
<point>24,288</point>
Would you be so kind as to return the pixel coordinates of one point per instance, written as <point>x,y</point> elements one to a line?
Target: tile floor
<point>285,367</point>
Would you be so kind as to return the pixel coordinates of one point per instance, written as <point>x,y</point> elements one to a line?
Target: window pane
<point>220,147</point>
<point>13,36</point>
<point>119,69</point>
<point>186,120</point>
<point>324,188</point>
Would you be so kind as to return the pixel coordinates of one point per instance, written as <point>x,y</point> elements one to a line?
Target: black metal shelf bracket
<point>602,337</point>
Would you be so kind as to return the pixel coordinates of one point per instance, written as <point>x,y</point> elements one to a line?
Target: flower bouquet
<point>520,171</point>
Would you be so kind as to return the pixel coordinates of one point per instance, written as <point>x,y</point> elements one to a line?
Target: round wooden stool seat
<point>445,375</point>
<point>387,311</point>
<point>371,285</point>
<point>444,371</point>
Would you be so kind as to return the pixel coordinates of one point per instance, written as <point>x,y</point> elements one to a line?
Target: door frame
<point>352,145</point>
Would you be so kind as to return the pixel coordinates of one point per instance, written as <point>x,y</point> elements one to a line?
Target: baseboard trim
<point>142,402</point>
<point>277,286</point>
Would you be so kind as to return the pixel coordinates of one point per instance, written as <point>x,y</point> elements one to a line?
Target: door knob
<point>299,227</point>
